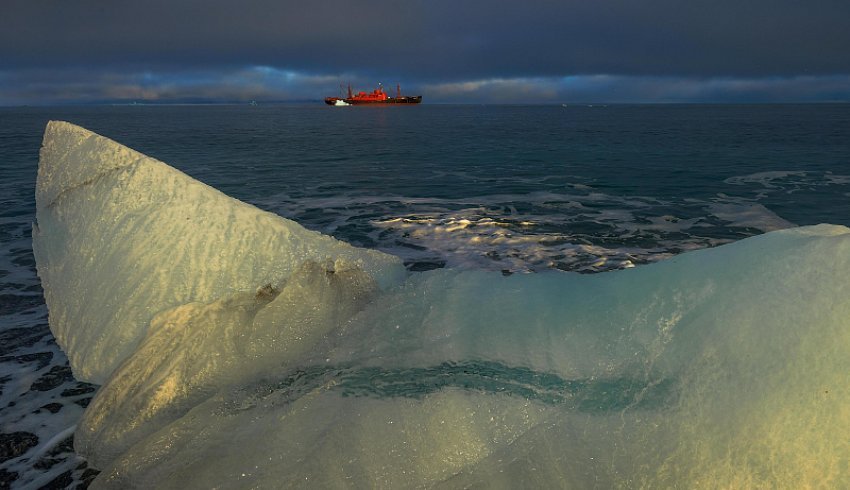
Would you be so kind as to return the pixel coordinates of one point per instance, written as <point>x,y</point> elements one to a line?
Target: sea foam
<point>238,350</point>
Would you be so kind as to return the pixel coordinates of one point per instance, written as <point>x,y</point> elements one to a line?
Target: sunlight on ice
<point>140,237</point>
<point>237,349</point>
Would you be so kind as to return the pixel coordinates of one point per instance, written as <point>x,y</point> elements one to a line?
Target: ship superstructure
<point>377,96</point>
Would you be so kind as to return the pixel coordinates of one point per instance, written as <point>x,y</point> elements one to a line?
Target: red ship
<point>377,96</point>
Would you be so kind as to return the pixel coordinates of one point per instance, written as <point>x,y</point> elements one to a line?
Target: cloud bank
<point>266,84</point>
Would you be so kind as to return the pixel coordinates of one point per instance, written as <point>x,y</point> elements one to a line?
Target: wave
<point>581,229</point>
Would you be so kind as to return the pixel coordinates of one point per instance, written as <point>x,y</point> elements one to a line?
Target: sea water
<point>489,188</point>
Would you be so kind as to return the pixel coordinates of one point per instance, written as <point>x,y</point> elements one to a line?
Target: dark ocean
<point>502,188</point>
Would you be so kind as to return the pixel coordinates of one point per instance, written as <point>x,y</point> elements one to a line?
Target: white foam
<point>749,215</point>
<point>766,179</point>
<point>790,181</point>
<point>581,230</point>
<point>472,241</point>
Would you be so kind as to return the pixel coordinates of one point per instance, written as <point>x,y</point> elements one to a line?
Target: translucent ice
<point>122,237</point>
<point>722,368</point>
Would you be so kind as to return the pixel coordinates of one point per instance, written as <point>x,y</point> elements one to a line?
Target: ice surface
<point>721,368</point>
<point>122,237</point>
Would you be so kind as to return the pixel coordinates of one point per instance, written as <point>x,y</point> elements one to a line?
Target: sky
<point>449,51</point>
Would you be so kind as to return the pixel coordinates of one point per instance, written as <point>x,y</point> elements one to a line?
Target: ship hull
<point>414,99</point>
<point>375,97</point>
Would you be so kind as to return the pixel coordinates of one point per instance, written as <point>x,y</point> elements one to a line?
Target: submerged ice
<point>236,349</point>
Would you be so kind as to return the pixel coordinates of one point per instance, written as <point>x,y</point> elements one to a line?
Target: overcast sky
<point>538,51</point>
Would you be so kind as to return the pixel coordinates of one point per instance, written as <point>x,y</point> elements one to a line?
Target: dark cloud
<point>188,44</point>
<point>437,39</point>
<point>201,33</point>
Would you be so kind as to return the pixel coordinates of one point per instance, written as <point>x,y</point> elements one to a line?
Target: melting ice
<point>237,349</point>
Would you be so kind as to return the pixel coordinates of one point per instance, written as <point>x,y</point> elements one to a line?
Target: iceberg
<point>237,350</point>
<point>121,236</point>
